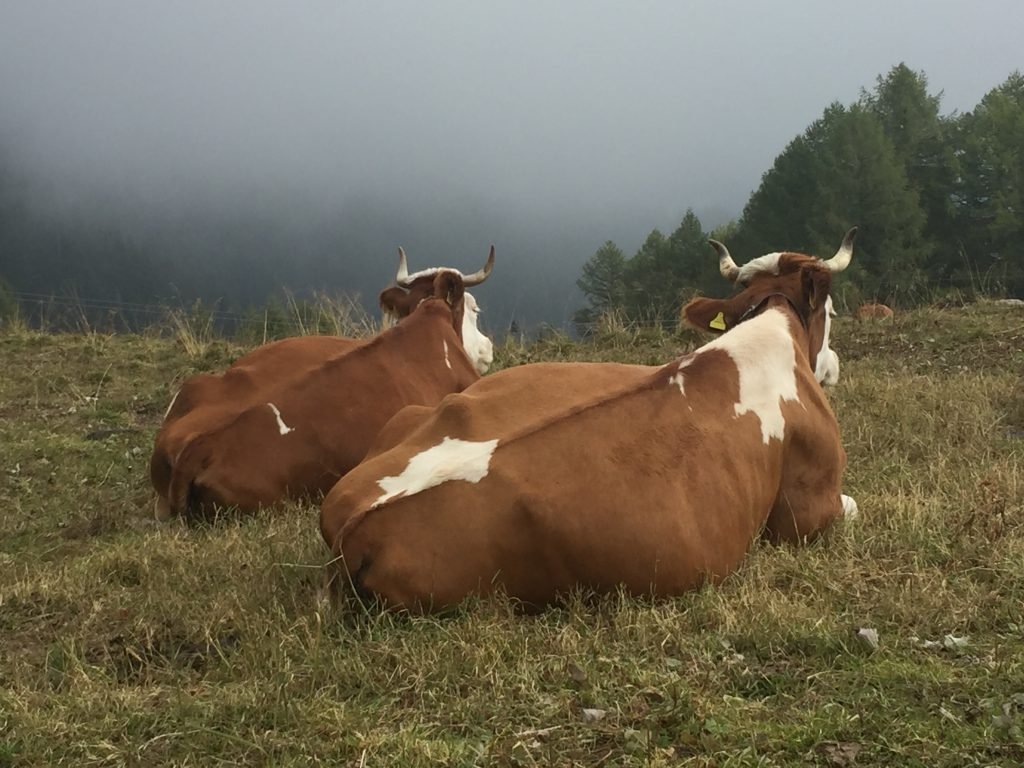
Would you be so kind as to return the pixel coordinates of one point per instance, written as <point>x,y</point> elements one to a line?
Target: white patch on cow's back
<point>769,263</point>
<point>451,459</point>
<point>763,352</point>
<point>173,401</point>
<point>677,377</point>
<point>446,360</point>
<point>283,428</point>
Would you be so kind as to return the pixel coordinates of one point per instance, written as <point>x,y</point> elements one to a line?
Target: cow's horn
<point>841,260</point>
<point>478,277</point>
<point>402,278</point>
<point>726,265</point>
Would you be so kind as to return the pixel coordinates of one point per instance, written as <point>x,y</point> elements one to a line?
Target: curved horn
<point>402,278</point>
<point>479,276</point>
<point>841,260</point>
<point>726,265</point>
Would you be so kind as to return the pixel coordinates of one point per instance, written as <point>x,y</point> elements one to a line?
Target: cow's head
<point>803,281</point>
<point>398,302</point>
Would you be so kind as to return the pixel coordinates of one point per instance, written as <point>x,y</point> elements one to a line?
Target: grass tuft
<point>193,329</point>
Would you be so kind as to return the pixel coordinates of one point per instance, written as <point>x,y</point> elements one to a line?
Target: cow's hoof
<point>161,509</point>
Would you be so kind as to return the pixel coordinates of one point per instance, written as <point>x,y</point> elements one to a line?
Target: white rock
<point>868,637</point>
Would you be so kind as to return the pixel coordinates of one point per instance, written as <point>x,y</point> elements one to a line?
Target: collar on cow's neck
<point>754,309</point>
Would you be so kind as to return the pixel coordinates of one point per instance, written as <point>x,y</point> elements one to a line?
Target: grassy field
<point>123,642</point>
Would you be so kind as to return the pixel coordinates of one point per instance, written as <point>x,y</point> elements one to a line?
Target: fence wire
<point>71,312</point>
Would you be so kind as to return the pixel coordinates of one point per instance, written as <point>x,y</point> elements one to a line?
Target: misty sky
<point>606,119</point>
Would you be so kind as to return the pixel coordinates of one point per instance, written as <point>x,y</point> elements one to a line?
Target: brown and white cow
<point>874,312</point>
<point>214,404</point>
<point>542,478</point>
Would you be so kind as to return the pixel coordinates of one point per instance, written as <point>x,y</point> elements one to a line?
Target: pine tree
<point>775,216</point>
<point>696,265</point>
<point>603,278</point>
<point>649,280</point>
<point>989,192</point>
<point>842,171</point>
<point>603,282</point>
<point>921,138</point>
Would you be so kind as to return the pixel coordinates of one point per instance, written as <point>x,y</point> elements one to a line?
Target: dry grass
<point>193,329</point>
<point>337,315</point>
<point>125,643</point>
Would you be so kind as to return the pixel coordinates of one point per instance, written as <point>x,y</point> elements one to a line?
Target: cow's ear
<point>448,286</point>
<point>715,315</point>
<point>815,284</point>
<point>393,301</point>
<point>390,299</point>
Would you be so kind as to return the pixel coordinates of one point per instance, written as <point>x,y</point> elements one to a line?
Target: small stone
<point>868,637</point>
<point>954,643</point>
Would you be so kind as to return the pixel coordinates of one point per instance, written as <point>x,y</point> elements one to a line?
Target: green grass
<point>127,643</point>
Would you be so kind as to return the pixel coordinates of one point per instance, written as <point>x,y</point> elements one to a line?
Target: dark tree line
<point>119,258</point>
<point>939,201</point>
<point>132,256</point>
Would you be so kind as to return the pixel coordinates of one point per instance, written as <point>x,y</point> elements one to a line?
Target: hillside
<point>130,643</point>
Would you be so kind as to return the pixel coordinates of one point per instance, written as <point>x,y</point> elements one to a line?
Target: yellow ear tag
<point>718,323</point>
<point>811,301</point>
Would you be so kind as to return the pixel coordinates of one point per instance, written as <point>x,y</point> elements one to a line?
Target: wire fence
<point>345,315</point>
<point>847,297</point>
<point>341,315</point>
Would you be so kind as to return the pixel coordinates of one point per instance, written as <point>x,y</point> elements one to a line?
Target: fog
<point>544,128</point>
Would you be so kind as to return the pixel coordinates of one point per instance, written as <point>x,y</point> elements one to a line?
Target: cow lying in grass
<point>543,478</point>
<point>234,439</point>
<point>874,312</point>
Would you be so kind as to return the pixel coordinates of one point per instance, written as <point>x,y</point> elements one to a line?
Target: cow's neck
<point>798,322</point>
<point>777,300</point>
<point>429,334</point>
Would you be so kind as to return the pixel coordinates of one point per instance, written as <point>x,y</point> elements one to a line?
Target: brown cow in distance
<point>207,403</point>
<point>543,478</point>
<point>874,312</point>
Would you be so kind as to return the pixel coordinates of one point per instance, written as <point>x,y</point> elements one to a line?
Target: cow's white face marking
<point>446,360</point>
<point>826,364</point>
<point>283,428</point>
<point>769,264</point>
<point>451,459</point>
<point>173,401</point>
<point>478,347</point>
<point>766,359</point>
<point>850,511</point>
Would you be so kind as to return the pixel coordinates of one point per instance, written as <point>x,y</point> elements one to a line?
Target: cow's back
<point>637,482</point>
<point>297,438</point>
<point>262,368</point>
<point>874,312</point>
<point>339,407</point>
<point>206,402</point>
